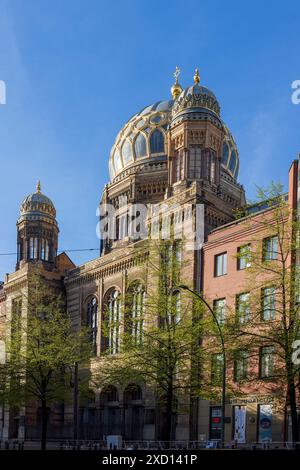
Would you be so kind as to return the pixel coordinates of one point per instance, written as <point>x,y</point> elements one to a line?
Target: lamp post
<point>222,341</point>
<point>75,403</point>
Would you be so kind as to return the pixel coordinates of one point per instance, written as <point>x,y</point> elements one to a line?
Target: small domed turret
<point>37,205</point>
<point>194,100</point>
<point>37,229</point>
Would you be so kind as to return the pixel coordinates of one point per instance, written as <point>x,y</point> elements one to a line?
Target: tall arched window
<point>232,162</point>
<point>157,142</point>
<point>195,162</point>
<point>140,146</point>
<point>126,152</point>
<point>117,160</point>
<point>174,316</point>
<point>45,250</point>
<point>20,250</point>
<point>108,395</point>
<point>225,154</point>
<point>136,312</point>
<point>92,321</point>
<point>113,321</point>
<point>179,166</point>
<point>33,248</point>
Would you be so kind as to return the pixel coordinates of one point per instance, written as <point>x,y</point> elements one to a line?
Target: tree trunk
<point>293,409</point>
<point>44,425</point>
<point>169,414</point>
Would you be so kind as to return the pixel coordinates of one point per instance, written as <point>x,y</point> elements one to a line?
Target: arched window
<point>33,248</point>
<point>126,152</point>
<point>20,250</point>
<point>136,312</point>
<point>45,250</point>
<point>236,173</point>
<point>140,146</point>
<point>195,161</point>
<point>232,162</point>
<point>132,392</point>
<point>179,166</point>
<point>175,309</point>
<point>113,321</point>
<point>157,142</point>
<point>92,321</point>
<point>225,154</point>
<point>109,394</point>
<point>117,160</point>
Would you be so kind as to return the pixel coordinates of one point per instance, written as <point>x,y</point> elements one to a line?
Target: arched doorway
<point>110,419</point>
<point>133,413</point>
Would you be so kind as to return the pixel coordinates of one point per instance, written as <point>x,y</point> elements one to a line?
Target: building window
<point>174,314</point>
<point>140,146</point>
<point>243,261</point>
<point>45,250</point>
<point>270,248</point>
<point>267,355</point>
<point>33,248</point>
<point>216,368</point>
<point>110,394</point>
<point>157,142</point>
<point>117,160</point>
<point>241,365</point>
<point>220,264</point>
<point>126,152</point>
<point>92,321</point>
<point>194,163</point>
<point>113,309</point>
<point>20,250</point>
<point>179,166</point>
<point>121,226</point>
<point>137,313</point>
<point>220,310</point>
<point>232,161</point>
<point>225,154</point>
<point>243,307</point>
<point>268,303</point>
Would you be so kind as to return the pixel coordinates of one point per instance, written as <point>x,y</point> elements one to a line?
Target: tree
<point>273,285</point>
<point>42,348</point>
<point>157,346</point>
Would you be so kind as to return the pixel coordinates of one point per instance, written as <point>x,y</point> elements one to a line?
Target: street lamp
<point>222,341</point>
<point>74,385</point>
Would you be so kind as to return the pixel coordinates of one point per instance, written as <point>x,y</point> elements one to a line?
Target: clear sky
<point>77,70</point>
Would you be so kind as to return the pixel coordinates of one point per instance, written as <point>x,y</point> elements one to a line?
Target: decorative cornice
<point>78,277</point>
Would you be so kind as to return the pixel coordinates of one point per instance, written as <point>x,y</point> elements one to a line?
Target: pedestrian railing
<point>98,445</point>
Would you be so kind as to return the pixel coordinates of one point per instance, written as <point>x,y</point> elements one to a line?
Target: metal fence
<point>98,445</point>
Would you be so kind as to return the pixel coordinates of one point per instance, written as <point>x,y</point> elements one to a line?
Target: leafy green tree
<point>167,343</point>
<point>273,318</point>
<point>42,348</point>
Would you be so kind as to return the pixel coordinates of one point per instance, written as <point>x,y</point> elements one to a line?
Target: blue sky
<point>75,71</point>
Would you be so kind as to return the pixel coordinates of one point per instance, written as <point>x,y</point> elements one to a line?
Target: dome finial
<point>38,187</point>
<point>176,88</point>
<point>197,76</point>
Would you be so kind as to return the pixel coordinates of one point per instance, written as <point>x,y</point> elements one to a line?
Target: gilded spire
<point>176,89</point>
<point>38,187</point>
<point>197,76</point>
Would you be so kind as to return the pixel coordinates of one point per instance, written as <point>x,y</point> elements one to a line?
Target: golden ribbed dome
<point>37,204</point>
